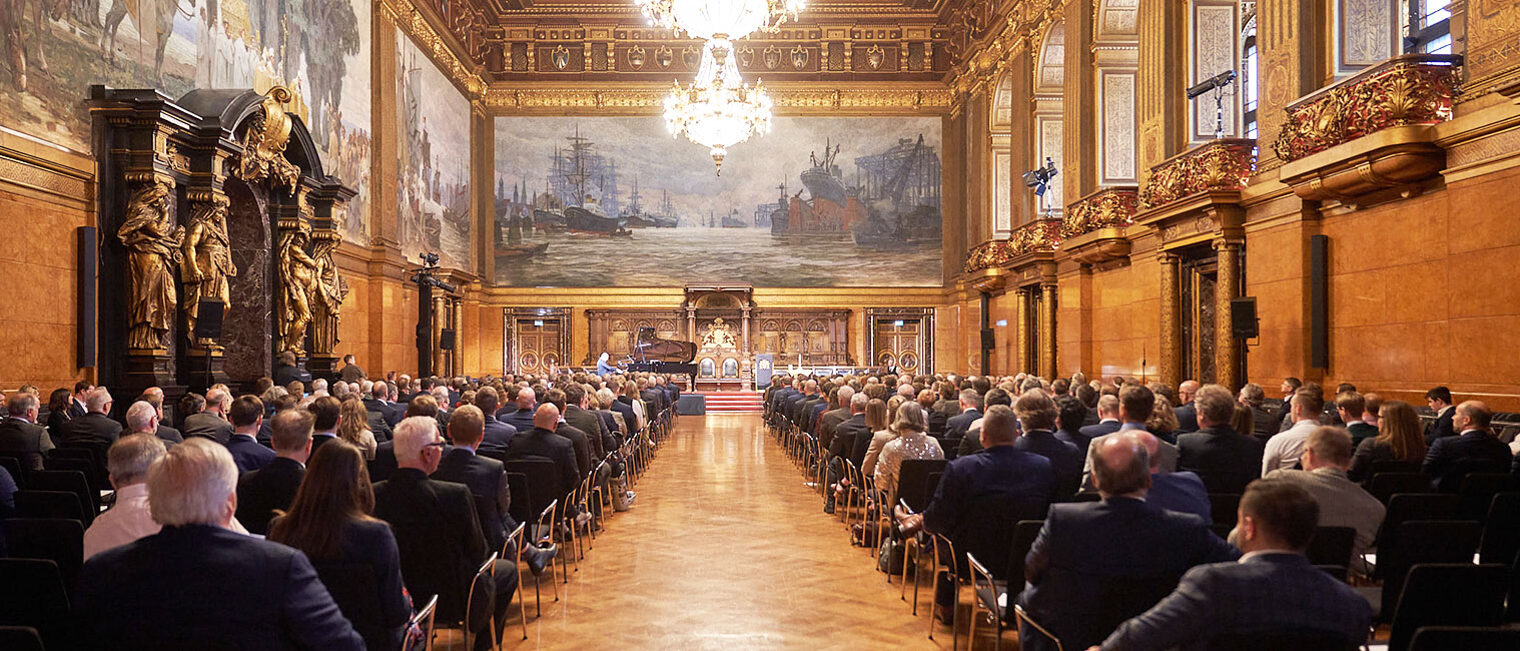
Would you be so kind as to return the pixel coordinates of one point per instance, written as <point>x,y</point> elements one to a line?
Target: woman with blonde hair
<point>1400,438</point>
<point>876,419</point>
<point>354,426</point>
<point>912,442</point>
<point>1163,421</point>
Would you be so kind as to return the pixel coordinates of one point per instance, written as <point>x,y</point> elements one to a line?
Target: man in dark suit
<point>76,403</point>
<point>971,411</point>
<point>351,372</point>
<point>94,425</point>
<point>1274,589</point>
<point>229,590</point>
<point>20,436</point>
<point>1108,419</point>
<point>261,492</point>
<point>1350,406</point>
<point>436,524</point>
<point>578,437</point>
<point>1226,460</point>
<point>527,406</point>
<point>1075,558</point>
<point>327,416</point>
<point>1439,401</point>
<point>155,396</point>
<point>1263,423</point>
<point>487,480</point>
<point>247,415</point>
<point>585,421</point>
<point>378,412</point>
<point>212,422</point>
<point>622,404</point>
<point>971,443</point>
<point>1187,414</point>
<point>1451,458</point>
<point>497,435</point>
<point>1037,414</point>
<point>1070,416</point>
<point>831,419</point>
<point>288,372</point>
<point>543,442</point>
<point>1282,418</point>
<point>850,436</point>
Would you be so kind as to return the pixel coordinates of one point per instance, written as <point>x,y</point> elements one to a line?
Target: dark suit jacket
<point>1451,458</point>
<point>370,544</point>
<point>1020,484</point>
<point>521,419</point>
<point>208,425</point>
<point>828,422</point>
<point>957,425</point>
<point>262,491</point>
<point>1187,417</point>
<point>351,373</point>
<point>248,454</point>
<point>845,434</point>
<point>318,440</point>
<point>1360,432</point>
<point>544,444</point>
<point>1082,545</point>
<point>1265,423</point>
<point>1065,458</point>
<point>438,534</point>
<point>54,420</point>
<point>626,409</point>
<point>204,586</point>
<point>1267,593</point>
<point>1440,428</point>
<point>1101,429</point>
<point>376,406</point>
<point>1074,437</point>
<point>93,426</point>
<point>168,435</point>
<point>591,425</point>
<point>384,463</point>
<point>1183,492</point>
<point>498,436</point>
<point>76,409</point>
<point>284,375</point>
<point>487,481</point>
<point>582,444</point>
<point>24,440</point>
<point>1223,458</point>
<point>376,419</point>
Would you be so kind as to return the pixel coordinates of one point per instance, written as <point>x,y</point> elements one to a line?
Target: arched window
<point>1250,87</point>
<point>1000,133</point>
<point>1050,85</point>
<point>1428,28</point>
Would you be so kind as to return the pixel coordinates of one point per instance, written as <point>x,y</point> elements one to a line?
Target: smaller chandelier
<point>705,19</point>
<point>718,110</point>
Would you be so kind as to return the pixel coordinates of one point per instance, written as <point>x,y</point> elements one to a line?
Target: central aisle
<point>725,549</point>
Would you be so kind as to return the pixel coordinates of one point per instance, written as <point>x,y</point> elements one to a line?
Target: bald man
<point>1187,414</point>
<point>1079,553</point>
<point>542,442</point>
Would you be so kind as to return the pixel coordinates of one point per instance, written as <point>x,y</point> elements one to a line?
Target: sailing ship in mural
<point>433,186</point>
<point>868,191</point>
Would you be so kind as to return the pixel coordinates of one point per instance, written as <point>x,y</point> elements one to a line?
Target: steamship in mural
<point>817,202</point>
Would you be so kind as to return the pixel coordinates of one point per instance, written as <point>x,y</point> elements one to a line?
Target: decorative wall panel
<point>1215,34</point>
<point>1118,151</point>
<point>1368,32</point>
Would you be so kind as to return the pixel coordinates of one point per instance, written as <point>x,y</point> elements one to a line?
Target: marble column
<point>1048,330</point>
<point>1171,319</point>
<point>1227,288</point>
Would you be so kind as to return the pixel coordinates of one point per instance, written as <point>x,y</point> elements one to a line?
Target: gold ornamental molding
<point>1410,89</point>
<point>1112,207</point>
<point>1223,165</point>
<point>416,26</point>
<point>798,98</point>
<point>1038,236</point>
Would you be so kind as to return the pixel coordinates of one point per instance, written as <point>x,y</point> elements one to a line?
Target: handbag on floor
<point>891,557</point>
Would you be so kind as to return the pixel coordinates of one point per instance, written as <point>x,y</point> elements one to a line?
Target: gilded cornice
<point>415,25</point>
<point>797,98</point>
<point>980,57</point>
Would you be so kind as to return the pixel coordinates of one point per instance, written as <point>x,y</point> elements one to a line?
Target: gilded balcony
<point>1223,165</point>
<point>1095,230</point>
<point>1410,89</point>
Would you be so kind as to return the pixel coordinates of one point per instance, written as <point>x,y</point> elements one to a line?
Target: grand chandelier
<point>707,19</point>
<point>718,110</point>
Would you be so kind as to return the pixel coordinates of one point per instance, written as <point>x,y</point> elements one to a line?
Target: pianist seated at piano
<point>604,366</point>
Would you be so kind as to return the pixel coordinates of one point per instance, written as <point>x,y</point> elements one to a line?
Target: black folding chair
<point>1405,507</point>
<point>20,638</point>
<point>54,539</point>
<point>1119,599</point>
<point>354,588</point>
<point>1455,594</point>
<point>913,481</point>
<point>1332,546</point>
<point>1466,638</point>
<point>1501,530</point>
<point>13,466</point>
<point>34,597</point>
<point>1386,485</point>
<point>522,500</point>
<point>91,454</point>
<point>1423,542</point>
<point>1380,467</point>
<point>48,504</point>
<point>72,481</point>
<point>1224,508</point>
<point>1478,491</point>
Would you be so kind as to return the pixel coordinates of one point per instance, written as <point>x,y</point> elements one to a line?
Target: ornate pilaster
<point>1171,319</point>
<point>1226,346</point>
<point>744,322</point>
<point>1048,330</point>
<point>1021,339</point>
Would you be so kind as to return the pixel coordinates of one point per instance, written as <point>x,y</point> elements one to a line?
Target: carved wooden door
<point>899,343</point>
<point>538,345</point>
<point>1198,280</point>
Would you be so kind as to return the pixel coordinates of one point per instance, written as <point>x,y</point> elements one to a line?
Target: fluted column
<point>1171,319</point>
<point>1048,331</point>
<point>1226,353</point>
<point>1018,360</point>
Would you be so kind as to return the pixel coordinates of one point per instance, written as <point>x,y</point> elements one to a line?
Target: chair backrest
<point>1501,529</point>
<point>20,638</point>
<point>13,466</point>
<point>1024,533</point>
<point>1466,638</point>
<point>913,481</point>
<point>34,596</point>
<point>478,612</point>
<point>354,588</point>
<point>1380,467</point>
<point>543,481</point>
<point>419,629</point>
<point>1224,508</point>
<point>1331,546</point>
<point>1448,594</point>
<point>1423,541</point>
<point>1405,507</point>
<point>1279,640</point>
<point>67,480</point>
<point>49,504</point>
<point>54,539</point>
<point>1119,599</point>
<point>1387,484</point>
<point>1478,490</point>
<point>987,526</point>
<point>522,497</point>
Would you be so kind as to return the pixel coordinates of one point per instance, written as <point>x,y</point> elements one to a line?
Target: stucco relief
<point>1214,34</point>
<point>1118,127</point>
<point>1366,32</point>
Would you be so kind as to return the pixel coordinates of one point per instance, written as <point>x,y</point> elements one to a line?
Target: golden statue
<point>329,290</point>
<point>153,246</point>
<point>718,335</point>
<point>298,277</point>
<point>208,262</point>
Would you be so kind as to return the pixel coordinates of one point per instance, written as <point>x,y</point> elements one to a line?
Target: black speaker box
<point>85,278</point>
<point>1243,324</point>
<point>1319,301</point>
<point>989,338</point>
<point>446,339</point>
<point>208,323</point>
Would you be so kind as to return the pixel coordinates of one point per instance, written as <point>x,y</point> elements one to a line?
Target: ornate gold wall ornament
<point>298,278</point>
<point>664,56</point>
<point>689,57</point>
<point>987,255</point>
<point>560,57</point>
<point>799,57</point>
<point>207,261</point>
<point>1038,236</point>
<point>412,23</point>
<point>805,97</point>
<point>746,56</point>
<point>153,249</point>
<point>179,161</point>
<point>1405,90</point>
<point>1225,164</point>
<point>329,289</point>
<point>264,143</point>
<point>771,56</point>
<point>1106,208</point>
<point>636,57</point>
<point>875,56</point>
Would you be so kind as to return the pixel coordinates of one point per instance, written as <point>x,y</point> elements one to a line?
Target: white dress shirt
<point>127,521</point>
<point>1284,448</point>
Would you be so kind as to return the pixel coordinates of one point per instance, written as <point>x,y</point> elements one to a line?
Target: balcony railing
<point>1038,236</point>
<point>1106,208</point>
<point>1406,90</point>
<point>1225,164</point>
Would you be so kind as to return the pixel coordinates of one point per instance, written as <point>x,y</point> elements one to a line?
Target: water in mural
<point>818,202</point>
<point>434,185</point>
<point>52,50</point>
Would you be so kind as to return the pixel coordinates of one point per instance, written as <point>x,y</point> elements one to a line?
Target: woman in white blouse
<point>911,443</point>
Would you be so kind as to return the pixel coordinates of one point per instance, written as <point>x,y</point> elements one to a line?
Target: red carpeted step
<point>733,402</point>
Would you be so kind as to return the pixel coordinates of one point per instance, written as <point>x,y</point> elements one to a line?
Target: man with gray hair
<point>212,421</point>
<point>128,461</point>
<point>831,419</point>
<point>142,418</point>
<point>1037,414</point>
<point>232,590</point>
<point>20,435</point>
<point>1075,556</point>
<point>971,411</point>
<point>95,426</point>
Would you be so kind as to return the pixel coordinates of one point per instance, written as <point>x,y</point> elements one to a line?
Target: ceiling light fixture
<point>718,110</point>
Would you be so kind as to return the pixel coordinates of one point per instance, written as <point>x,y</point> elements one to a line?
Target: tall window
<point>1248,84</point>
<point>1429,28</point>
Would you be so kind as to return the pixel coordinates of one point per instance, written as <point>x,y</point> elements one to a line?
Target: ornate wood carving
<point>1112,207</point>
<point>1405,90</point>
<point>909,347</point>
<point>535,337</point>
<point>1218,165</point>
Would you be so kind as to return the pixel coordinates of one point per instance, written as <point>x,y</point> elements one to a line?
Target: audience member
<point>912,442</point>
<point>1136,403</point>
<point>58,405</point>
<point>1288,389</point>
<point>849,436</point>
<point>830,420</point>
<point>1070,416</point>
<point>353,426</point>
<point>1273,589</point>
<point>497,435</point>
<point>1163,421</point>
<point>971,443</point>
<point>128,519</point>
<point>1439,401</point>
<point>155,396</point>
<point>1087,550</point>
<point>211,422</point>
<point>1400,438</point>
<point>247,416</point>
<point>876,421</point>
<point>94,426</point>
<point>1342,503</point>
<point>1226,460</point>
<point>544,442</point>
<point>970,411</point>
<point>20,436</point>
<point>1263,422</point>
<point>1374,405</point>
<point>1037,415</point>
<point>584,461</point>
<point>228,590</point>
<point>329,520</point>
<point>262,492</point>
<point>351,371</point>
<point>487,480</point>
<point>1474,449</point>
<point>1182,491</point>
<point>1350,406</point>
<point>1284,449</point>
<point>1108,419</point>
<point>327,416</point>
<point>1185,413</point>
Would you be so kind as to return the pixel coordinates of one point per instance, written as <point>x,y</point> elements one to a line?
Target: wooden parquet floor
<point>725,548</point>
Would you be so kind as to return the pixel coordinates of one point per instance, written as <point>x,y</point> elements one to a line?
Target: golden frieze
<point>1225,164</point>
<point>264,143</point>
<point>652,98</point>
<point>1405,90</point>
<point>1106,208</point>
<point>1038,236</point>
<point>411,22</point>
<point>987,255</point>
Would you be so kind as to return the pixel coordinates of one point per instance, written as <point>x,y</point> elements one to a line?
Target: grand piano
<point>652,354</point>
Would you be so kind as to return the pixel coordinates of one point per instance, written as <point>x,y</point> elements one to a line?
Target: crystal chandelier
<point>706,19</point>
<point>718,110</point>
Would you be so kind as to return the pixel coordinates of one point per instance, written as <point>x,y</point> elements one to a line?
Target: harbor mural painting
<point>817,202</point>
<point>51,51</point>
<point>434,182</point>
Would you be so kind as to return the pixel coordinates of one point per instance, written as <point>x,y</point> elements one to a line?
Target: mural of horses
<point>13,14</point>
<point>162,13</point>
